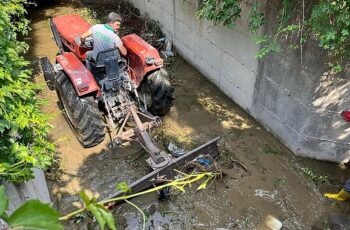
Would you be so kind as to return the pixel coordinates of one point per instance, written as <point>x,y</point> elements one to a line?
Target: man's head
<point>114,20</point>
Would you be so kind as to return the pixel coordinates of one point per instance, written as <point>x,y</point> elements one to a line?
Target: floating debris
<point>272,223</point>
<point>175,151</point>
<point>266,195</point>
<point>203,163</point>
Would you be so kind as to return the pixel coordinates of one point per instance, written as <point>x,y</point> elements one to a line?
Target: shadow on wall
<point>301,103</point>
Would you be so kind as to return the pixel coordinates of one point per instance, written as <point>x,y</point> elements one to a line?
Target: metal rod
<point>124,122</point>
<point>151,118</point>
<point>144,137</point>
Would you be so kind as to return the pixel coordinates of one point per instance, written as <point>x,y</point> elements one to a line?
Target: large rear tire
<point>81,113</point>
<point>158,93</point>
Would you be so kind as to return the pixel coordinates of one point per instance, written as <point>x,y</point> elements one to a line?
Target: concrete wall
<point>224,56</point>
<point>299,104</point>
<point>32,189</point>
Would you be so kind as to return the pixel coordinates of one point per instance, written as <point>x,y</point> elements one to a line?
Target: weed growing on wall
<point>301,21</point>
<point>23,127</point>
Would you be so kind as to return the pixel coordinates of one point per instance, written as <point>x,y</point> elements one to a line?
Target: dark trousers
<point>347,185</point>
<point>88,59</point>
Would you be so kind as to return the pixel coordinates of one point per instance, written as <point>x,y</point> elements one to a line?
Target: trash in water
<point>266,195</point>
<point>272,223</point>
<point>175,151</point>
<point>168,45</point>
<point>203,163</point>
<point>204,160</point>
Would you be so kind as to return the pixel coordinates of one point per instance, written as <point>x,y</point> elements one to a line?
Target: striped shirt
<point>104,39</point>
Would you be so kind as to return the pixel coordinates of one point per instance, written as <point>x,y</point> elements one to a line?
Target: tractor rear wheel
<point>157,92</point>
<point>82,113</point>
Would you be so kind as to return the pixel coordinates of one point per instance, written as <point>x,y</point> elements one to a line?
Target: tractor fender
<point>143,58</point>
<point>81,78</point>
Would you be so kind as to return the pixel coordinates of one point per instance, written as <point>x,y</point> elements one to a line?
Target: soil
<point>276,182</point>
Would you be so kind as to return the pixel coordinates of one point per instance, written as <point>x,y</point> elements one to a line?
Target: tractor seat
<point>106,63</point>
<point>102,56</point>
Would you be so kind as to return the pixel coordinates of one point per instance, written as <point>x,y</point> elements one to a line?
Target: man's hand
<point>122,50</point>
<point>83,36</point>
<point>78,41</point>
<point>82,41</point>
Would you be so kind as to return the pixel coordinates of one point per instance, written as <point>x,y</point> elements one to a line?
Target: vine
<point>35,215</point>
<point>23,127</point>
<point>326,21</point>
<point>224,12</point>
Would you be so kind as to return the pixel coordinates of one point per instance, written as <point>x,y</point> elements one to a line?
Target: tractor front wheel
<point>82,113</point>
<point>49,72</point>
<point>157,93</point>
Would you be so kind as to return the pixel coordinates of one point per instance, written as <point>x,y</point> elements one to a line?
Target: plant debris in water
<point>313,177</point>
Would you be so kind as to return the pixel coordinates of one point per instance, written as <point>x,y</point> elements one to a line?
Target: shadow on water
<point>275,183</point>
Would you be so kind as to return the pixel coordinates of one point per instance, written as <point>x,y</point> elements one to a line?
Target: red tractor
<point>119,89</point>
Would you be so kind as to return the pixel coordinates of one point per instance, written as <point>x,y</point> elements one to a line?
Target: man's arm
<point>122,50</point>
<point>85,35</point>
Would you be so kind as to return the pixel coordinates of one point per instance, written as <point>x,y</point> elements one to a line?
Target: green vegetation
<point>280,182</point>
<point>35,215</point>
<point>31,215</point>
<point>298,22</point>
<point>23,127</point>
<point>313,177</point>
<point>224,12</point>
<point>103,215</point>
<point>269,150</point>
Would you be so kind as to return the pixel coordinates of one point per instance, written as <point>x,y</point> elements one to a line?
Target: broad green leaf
<point>98,215</point>
<point>35,215</point>
<point>4,201</point>
<point>86,199</point>
<point>108,217</point>
<point>123,187</point>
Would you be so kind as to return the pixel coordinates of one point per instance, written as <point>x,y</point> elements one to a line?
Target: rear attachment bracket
<point>158,176</point>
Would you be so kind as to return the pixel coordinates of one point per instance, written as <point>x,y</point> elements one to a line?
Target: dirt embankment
<point>271,180</point>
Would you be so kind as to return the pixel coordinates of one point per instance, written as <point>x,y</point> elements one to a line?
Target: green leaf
<point>35,215</point>
<point>85,198</point>
<point>4,125</point>
<point>108,217</point>
<point>4,201</point>
<point>98,215</point>
<point>123,187</point>
<point>102,215</point>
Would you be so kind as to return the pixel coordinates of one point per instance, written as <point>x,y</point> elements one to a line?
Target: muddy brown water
<point>275,183</point>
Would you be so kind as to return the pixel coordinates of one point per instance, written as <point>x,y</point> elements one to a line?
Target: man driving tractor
<point>105,37</point>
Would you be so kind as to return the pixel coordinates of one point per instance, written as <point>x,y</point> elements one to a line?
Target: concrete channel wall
<point>29,190</point>
<point>219,53</point>
<point>297,102</point>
